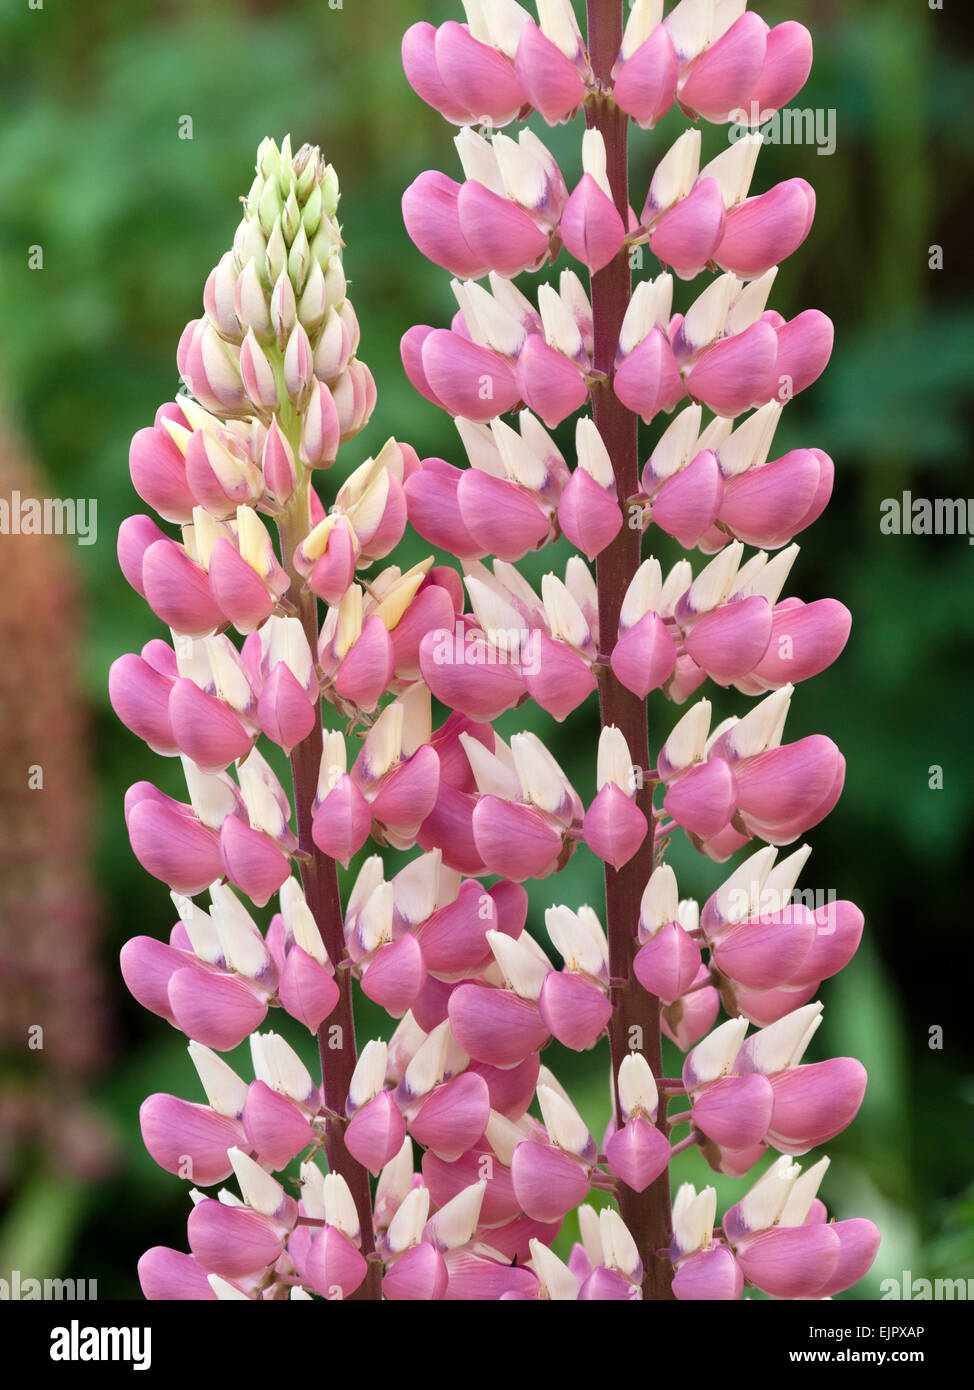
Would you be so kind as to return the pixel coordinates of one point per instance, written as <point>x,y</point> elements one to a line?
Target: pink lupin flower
<point>787,63</point>
<point>279,388</point>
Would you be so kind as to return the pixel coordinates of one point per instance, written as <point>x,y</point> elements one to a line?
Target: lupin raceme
<point>440,1159</point>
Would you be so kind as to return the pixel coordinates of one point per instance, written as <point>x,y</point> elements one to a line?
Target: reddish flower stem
<point>635,1022</point>
<point>319,877</point>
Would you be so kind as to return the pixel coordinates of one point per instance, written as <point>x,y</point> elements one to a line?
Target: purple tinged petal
<point>574,1008</point>
<point>375,1133</point>
<point>638,1153</point>
<point>548,1182</point>
<point>232,1241</point>
<point>216,1010</point>
<point>307,990</point>
<point>495,1025</point>
<point>591,228</point>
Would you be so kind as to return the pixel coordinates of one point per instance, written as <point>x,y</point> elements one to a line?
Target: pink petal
<point>735,1111</point>
<point>575,1010</point>
<point>648,381</point>
<point>725,73</point>
<point>515,841</point>
<point>687,504</point>
<point>736,372</point>
<point>504,519</point>
<point>638,1153</point>
<point>644,657</point>
<point>429,209</point>
<point>703,799</point>
<point>453,1117</point>
<point>668,963</point>
<point>189,1140</point>
<point>501,235</point>
<point>174,847</point>
<point>591,228</point>
<point>645,85</point>
<point>495,1025</point>
<point>470,380</point>
<point>589,516</point>
<point>548,1182</point>
<point>614,827</point>
<point>375,1133</point>
<point>550,79</point>
<point>551,385</point>
<point>170,1276</point>
<point>687,236</point>
<point>395,975</point>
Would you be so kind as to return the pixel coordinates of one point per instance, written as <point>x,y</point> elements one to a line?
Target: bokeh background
<point>130,218</point>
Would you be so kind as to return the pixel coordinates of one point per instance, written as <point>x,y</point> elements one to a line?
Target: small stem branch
<point>319,877</point>
<point>635,1022</point>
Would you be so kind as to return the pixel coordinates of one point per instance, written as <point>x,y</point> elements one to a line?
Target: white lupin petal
<point>416,888</point>
<point>803,1193</point>
<point>369,877</point>
<point>226,1292</point>
<point>300,923</point>
<point>650,307</point>
<point>637,1088</point>
<point>260,1191</point>
<point>771,579</point>
<point>368,1078</point>
<point>382,747</point>
<point>762,727</point>
<point>417,707</point>
<point>520,461</point>
<point>761,1208</point>
<point>573,941</point>
<point>714,1056</point>
<point>334,762</point>
<point>282,1068</point>
<point>508,295</point>
<point>589,919</point>
<point>614,761</point>
<point>396,1178</point>
<point>734,167</point>
<point>688,738</point>
<point>502,624</point>
<point>751,303</point>
<point>564,1124</point>
<point>594,160</point>
<point>537,438</point>
<point>588,1229</point>
<point>254,542</point>
<point>503,1136</point>
<point>557,1281</point>
<point>514,585</point>
<point>313,1190</point>
<point>456,1059</point>
<point>505,20</point>
<point>688,914</point>
<point>224,1196</point>
<point>478,159</point>
<point>229,679</point>
<point>565,617</point>
<point>225,1090</point>
<point>475,10</point>
<point>426,1068</point>
<point>750,443</point>
<point>715,582</point>
<point>340,1209</point>
<point>374,922</point>
<point>561,329</point>
<point>456,1221</point>
<point>575,296</point>
<point>593,456</point>
<point>715,433</point>
<point>284,639</point>
<point>523,172</point>
<point>580,582</point>
<point>242,944</point>
<point>263,809</point>
<point>739,895</point>
<point>677,444</point>
<point>783,1044</point>
<point>780,884</point>
<point>675,585</point>
<point>200,929</point>
<point>211,797</point>
<point>676,172</point>
<point>489,323</point>
<point>299,1295</point>
<point>693,1217</point>
<point>493,778</point>
<point>705,318</point>
<point>620,1249</point>
<point>644,594</point>
<point>542,781</point>
<point>556,20</point>
<point>406,1227</point>
<point>192,661</point>
<point>523,971</point>
<point>690,27</point>
<point>644,16</point>
<point>660,902</point>
<point>726,13</point>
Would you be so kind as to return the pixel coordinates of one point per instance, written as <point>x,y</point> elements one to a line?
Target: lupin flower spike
<point>291,621</point>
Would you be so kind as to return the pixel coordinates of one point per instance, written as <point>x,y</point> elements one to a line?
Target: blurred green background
<point>131,218</point>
